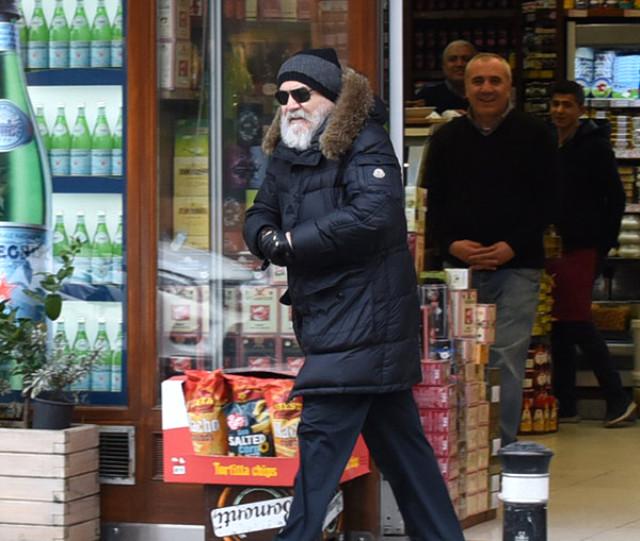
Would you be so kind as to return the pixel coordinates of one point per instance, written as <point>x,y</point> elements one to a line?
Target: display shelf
<point>459,14</point>
<point>77,77</point>
<point>605,13</point>
<point>612,103</point>
<point>628,154</point>
<point>88,185</point>
<point>93,293</point>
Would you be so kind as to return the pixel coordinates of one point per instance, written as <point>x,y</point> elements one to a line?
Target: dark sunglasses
<point>300,95</point>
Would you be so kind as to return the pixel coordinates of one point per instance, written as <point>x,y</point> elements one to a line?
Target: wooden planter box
<point>49,489</point>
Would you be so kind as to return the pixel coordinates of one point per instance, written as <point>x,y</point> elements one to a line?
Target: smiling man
<point>491,177</point>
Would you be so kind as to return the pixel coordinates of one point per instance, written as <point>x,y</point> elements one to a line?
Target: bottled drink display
<point>80,38</point>
<point>38,39</point>
<point>116,152</point>
<point>101,253</point>
<point>42,127</point>
<point>101,144</point>
<point>59,38</point>
<point>116,362</point>
<point>101,369</point>
<point>22,32</point>
<point>60,340</point>
<point>116,261</point>
<point>116,38</point>
<point>101,38</point>
<point>24,175</point>
<point>81,145</point>
<point>81,346</point>
<point>60,241</point>
<point>60,146</point>
<point>82,262</point>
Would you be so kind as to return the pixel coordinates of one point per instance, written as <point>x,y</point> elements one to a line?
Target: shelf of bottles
<point>73,55</point>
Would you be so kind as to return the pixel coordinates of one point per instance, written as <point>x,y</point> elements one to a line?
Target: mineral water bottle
<point>81,145</point>
<point>60,241</point>
<point>79,38</point>
<point>60,340</point>
<point>24,176</point>
<point>101,253</point>
<point>101,38</point>
<point>101,145</point>
<point>101,370</point>
<point>116,38</point>
<point>116,151</point>
<point>38,39</point>
<point>116,250</point>
<point>41,122</point>
<point>60,144</point>
<point>82,261</point>
<point>22,32</point>
<point>116,362</point>
<point>59,38</point>
<point>81,347</point>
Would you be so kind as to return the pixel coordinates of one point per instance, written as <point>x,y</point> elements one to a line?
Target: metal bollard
<point>525,491</point>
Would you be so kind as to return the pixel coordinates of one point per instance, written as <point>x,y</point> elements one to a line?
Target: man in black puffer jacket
<point>331,210</point>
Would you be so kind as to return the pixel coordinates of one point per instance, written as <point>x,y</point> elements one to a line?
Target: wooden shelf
<point>603,13</point>
<point>458,14</point>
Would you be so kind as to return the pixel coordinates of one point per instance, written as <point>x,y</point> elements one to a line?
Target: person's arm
<point>264,212</point>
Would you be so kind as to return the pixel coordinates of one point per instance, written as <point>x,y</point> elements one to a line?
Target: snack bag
<point>285,416</point>
<point>248,425</point>
<point>206,395</point>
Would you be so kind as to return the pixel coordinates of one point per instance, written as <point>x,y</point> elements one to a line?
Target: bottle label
<point>116,162</point>
<point>23,253</point>
<point>100,163</point>
<point>79,54</point>
<point>59,54</point>
<point>100,54</point>
<point>8,37</point>
<point>116,377</point>
<point>16,128</point>
<point>116,54</point>
<point>80,163</point>
<point>101,374</point>
<point>60,162</point>
<point>38,54</point>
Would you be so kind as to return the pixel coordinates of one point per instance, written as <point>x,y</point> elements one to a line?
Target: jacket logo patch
<point>379,173</point>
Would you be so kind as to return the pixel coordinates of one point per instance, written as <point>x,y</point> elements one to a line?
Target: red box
<point>444,444</point>
<point>449,467</point>
<point>435,372</point>
<point>181,465</point>
<point>435,397</point>
<point>438,420</point>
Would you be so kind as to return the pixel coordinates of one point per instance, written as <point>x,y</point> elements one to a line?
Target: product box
<point>443,397</point>
<point>278,276</point>
<point>449,467</point>
<point>463,310</point>
<point>444,444</point>
<point>191,216</point>
<point>259,309</point>
<point>416,220</point>
<point>435,372</point>
<point>483,412</point>
<point>416,249</point>
<point>458,278</point>
<point>292,355</point>
<point>285,319</point>
<point>197,8</point>
<point>486,323</point>
<point>436,297</point>
<point>259,351</point>
<point>438,420</point>
<point>174,64</point>
<point>174,19</point>
<point>415,198</point>
<point>182,465</point>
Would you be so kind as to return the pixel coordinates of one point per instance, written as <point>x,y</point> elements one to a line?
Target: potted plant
<point>46,371</point>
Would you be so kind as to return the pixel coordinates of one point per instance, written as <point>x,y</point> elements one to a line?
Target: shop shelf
<point>456,14</point>
<point>628,154</point>
<point>612,103</point>
<point>77,77</point>
<point>88,185</point>
<point>603,13</point>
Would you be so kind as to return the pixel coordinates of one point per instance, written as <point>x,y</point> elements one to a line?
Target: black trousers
<point>566,336</point>
<point>390,424</point>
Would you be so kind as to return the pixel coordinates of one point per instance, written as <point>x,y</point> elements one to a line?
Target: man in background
<point>450,94</point>
<point>491,178</point>
<point>592,205</point>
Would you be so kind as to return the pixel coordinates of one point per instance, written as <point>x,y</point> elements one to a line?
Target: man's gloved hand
<point>275,247</point>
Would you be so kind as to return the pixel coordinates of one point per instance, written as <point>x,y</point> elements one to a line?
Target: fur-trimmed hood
<point>345,122</point>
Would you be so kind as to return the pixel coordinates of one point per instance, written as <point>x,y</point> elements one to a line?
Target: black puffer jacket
<point>352,286</point>
<point>592,194</point>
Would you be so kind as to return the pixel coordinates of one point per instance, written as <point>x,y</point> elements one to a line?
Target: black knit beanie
<point>317,68</point>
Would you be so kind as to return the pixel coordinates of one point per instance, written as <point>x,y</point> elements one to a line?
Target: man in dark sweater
<point>450,93</point>
<point>592,205</point>
<point>491,178</point>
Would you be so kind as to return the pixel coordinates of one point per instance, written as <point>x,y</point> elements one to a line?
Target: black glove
<point>275,247</point>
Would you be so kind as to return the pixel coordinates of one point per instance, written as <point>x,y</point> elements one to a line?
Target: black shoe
<point>619,417</point>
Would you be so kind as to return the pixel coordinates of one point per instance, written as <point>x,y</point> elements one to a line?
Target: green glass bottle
<point>25,183</point>
<point>38,39</point>
<point>101,144</point>
<point>22,32</point>
<point>117,260</point>
<point>60,144</point>
<point>80,347</point>
<point>59,38</point>
<point>60,241</point>
<point>41,122</point>
<point>79,38</point>
<point>101,370</point>
<point>82,261</point>
<point>60,340</point>
<point>116,361</point>
<point>117,30</point>
<point>81,145</point>
<point>116,151</point>
<point>101,38</point>
<point>101,252</point>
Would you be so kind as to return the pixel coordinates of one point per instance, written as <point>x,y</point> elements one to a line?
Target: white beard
<point>299,135</point>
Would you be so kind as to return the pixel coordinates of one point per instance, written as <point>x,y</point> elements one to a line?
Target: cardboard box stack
<point>454,398</point>
<point>415,205</point>
<point>174,45</point>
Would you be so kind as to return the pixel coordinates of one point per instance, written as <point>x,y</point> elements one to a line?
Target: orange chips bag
<point>248,426</point>
<point>206,395</point>
<point>285,416</point>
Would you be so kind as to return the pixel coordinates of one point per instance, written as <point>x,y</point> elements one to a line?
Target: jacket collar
<point>344,123</point>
